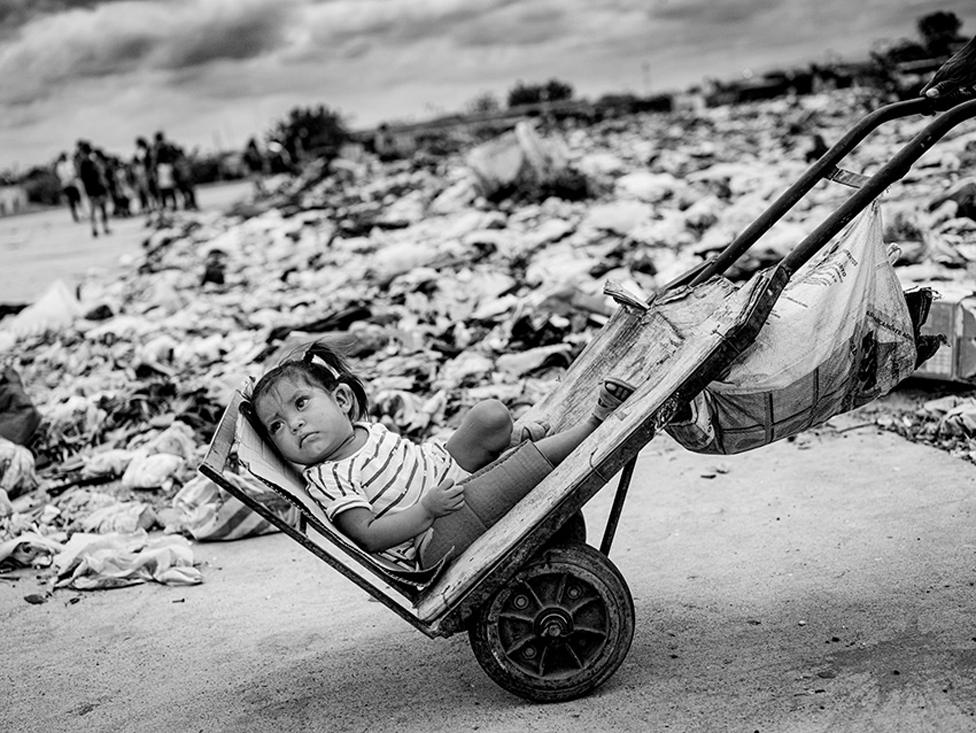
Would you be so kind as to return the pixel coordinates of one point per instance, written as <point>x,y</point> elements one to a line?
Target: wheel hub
<point>553,623</point>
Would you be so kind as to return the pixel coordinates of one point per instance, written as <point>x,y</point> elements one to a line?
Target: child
<point>380,489</point>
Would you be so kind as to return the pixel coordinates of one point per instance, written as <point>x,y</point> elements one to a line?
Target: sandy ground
<point>824,584</point>
<point>39,248</point>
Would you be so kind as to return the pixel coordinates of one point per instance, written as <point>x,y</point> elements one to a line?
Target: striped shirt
<point>386,475</point>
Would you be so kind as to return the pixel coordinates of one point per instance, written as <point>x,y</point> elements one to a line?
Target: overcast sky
<point>213,72</point>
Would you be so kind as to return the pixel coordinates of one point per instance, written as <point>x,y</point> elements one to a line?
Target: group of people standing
<point>157,177</point>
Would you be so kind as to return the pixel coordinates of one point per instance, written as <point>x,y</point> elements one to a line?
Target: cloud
<point>251,31</point>
<point>516,25</point>
<point>107,68</point>
<point>17,13</point>
<point>330,28</point>
<point>124,37</point>
<point>708,13</point>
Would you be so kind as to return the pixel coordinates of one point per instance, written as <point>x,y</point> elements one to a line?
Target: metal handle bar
<point>895,169</point>
<point>813,175</point>
<point>892,171</point>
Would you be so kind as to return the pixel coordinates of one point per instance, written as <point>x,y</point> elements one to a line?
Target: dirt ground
<point>40,247</point>
<point>822,584</point>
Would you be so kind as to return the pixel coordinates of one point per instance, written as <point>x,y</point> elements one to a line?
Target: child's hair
<point>320,365</point>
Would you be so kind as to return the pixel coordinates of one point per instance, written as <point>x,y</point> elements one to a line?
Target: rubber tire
<point>576,590</point>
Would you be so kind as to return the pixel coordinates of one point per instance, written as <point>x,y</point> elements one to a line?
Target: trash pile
<point>447,281</point>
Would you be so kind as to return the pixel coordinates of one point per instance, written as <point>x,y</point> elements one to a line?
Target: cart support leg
<point>626,474</point>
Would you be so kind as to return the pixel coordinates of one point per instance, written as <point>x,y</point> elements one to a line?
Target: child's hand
<point>445,498</point>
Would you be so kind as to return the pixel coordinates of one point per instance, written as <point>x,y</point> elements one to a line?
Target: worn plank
<point>631,346</point>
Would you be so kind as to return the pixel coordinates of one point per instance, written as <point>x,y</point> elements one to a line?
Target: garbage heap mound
<point>446,279</point>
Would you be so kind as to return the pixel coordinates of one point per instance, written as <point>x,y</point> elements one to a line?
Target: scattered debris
<point>448,280</point>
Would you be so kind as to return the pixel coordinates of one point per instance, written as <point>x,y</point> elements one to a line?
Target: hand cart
<point>549,617</point>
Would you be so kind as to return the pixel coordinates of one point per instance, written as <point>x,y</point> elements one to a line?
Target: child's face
<point>307,423</point>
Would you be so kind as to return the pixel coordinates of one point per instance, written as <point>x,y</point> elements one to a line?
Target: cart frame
<point>446,603</point>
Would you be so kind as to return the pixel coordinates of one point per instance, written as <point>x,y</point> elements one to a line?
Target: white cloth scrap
<point>94,561</point>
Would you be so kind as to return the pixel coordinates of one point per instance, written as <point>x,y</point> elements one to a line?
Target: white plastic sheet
<point>96,561</point>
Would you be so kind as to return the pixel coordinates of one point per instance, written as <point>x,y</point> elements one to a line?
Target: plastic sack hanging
<point>839,336</point>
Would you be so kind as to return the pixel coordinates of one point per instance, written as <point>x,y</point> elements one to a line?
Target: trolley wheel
<point>572,531</point>
<point>559,629</point>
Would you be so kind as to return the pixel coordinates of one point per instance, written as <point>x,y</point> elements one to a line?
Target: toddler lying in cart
<point>378,488</point>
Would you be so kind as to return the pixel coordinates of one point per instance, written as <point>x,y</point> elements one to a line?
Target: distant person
<point>67,175</point>
<point>955,76</point>
<point>164,155</point>
<point>384,144</point>
<point>278,157</point>
<point>115,194</point>
<point>183,172</point>
<point>123,191</point>
<point>91,171</point>
<point>255,164</point>
<point>143,175</point>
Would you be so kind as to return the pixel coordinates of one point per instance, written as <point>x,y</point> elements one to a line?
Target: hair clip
<point>320,362</point>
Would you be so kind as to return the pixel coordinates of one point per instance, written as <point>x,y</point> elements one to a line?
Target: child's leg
<point>484,433</point>
<point>556,447</point>
<point>559,445</point>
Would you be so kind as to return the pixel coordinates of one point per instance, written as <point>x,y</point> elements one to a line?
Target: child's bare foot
<point>613,393</point>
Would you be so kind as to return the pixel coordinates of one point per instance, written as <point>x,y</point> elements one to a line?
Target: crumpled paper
<point>17,475</point>
<point>151,471</point>
<point>94,561</point>
<point>959,420</point>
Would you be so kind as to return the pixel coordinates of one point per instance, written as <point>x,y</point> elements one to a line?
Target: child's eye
<point>274,427</point>
<point>301,402</point>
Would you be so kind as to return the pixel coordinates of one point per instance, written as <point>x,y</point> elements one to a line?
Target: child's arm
<point>375,534</point>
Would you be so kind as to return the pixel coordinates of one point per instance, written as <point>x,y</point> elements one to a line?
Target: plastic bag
<point>55,309</point>
<point>18,416</point>
<point>127,516</point>
<point>208,512</point>
<point>151,471</point>
<point>840,336</point>
<point>17,474</point>
<point>518,157</point>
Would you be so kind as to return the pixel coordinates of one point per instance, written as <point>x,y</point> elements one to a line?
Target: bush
<point>552,91</point>
<point>938,31</point>
<point>206,169</point>
<point>308,131</point>
<point>42,186</point>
